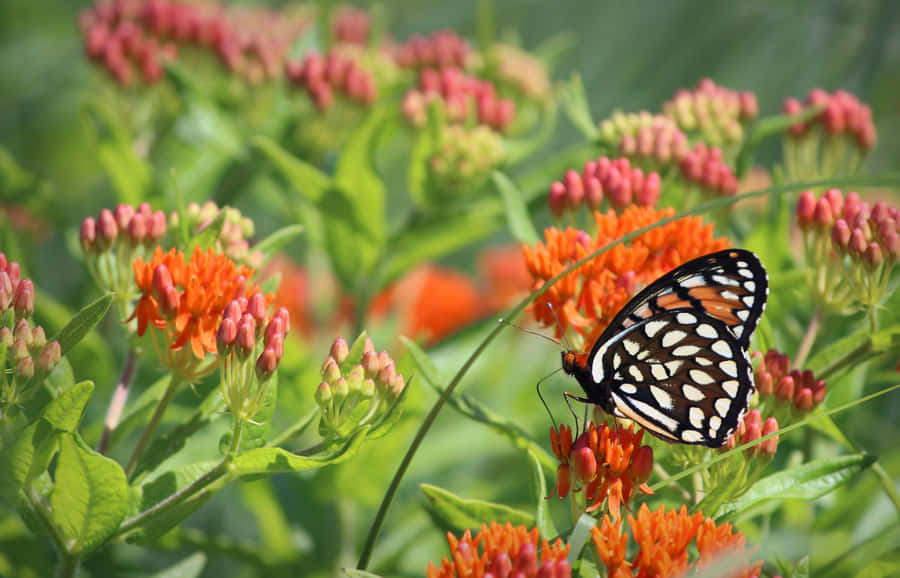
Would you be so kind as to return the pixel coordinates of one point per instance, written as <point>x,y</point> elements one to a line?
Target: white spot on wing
<point>750,285</point>
<point>722,406</point>
<point>745,273</point>
<point>743,314</point>
<point>695,281</point>
<point>692,393</point>
<point>695,415</point>
<point>685,350</point>
<point>706,330</point>
<point>686,318</point>
<point>662,397</point>
<point>748,300</point>
<point>691,436</point>
<point>715,422</point>
<point>635,373</point>
<point>651,328</point>
<point>729,367</point>
<point>654,414</point>
<point>720,347</point>
<point>730,387</point>
<point>673,337</point>
<point>672,366</point>
<point>703,361</point>
<point>700,377</point>
<point>617,360</point>
<point>659,372</point>
<point>628,388</point>
<point>729,295</point>
<point>631,346</point>
<point>725,280</point>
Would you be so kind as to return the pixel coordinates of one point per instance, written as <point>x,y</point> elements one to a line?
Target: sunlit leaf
<point>457,514</point>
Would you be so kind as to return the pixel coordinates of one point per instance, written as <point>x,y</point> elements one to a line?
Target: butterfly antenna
<point>547,407</point>
<point>561,328</point>
<point>569,396</point>
<point>532,332</point>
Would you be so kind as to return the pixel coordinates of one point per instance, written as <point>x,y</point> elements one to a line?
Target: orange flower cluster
<point>663,538</point>
<point>608,463</point>
<point>505,551</point>
<point>588,298</point>
<point>185,300</point>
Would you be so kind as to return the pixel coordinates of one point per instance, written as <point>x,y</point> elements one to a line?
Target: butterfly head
<point>573,363</point>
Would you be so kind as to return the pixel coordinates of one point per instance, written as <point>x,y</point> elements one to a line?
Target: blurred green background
<point>631,56</point>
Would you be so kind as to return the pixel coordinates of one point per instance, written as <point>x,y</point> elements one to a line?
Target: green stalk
<point>174,382</point>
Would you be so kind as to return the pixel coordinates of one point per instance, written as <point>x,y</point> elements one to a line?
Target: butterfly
<point>674,359</point>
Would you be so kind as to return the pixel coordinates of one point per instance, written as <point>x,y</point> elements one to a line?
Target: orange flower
<point>506,279</point>
<point>431,302</point>
<point>505,551</point>
<point>607,463</point>
<point>663,539</point>
<point>588,298</point>
<point>185,301</point>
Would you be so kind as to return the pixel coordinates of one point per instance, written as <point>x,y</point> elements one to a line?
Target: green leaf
<point>83,321</point>
<point>804,482</point>
<point>579,536</point>
<point>145,496</point>
<point>356,352</point>
<point>275,535</point>
<point>130,175</point>
<point>879,569</point>
<point>801,570</point>
<point>355,175</point>
<point>256,432</point>
<point>435,236</point>
<point>89,497</point>
<point>517,216</point>
<point>474,410</point>
<point>190,567</point>
<point>304,177</point>
<point>64,413</point>
<point>277,241</point>
<point>277,460</point>
<point>457,514</point>
<point>574,103</point>
<point>543,520</point>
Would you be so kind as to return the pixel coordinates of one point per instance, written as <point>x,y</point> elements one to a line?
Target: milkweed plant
<point>297,327</point>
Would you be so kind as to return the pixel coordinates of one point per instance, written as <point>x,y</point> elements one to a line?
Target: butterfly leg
<point>547,407</point>
<point>569,396</point>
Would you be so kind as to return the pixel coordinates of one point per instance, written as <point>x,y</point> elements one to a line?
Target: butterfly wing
<point>681,375</point>
<point>730,285</point>
<point>675,358</point>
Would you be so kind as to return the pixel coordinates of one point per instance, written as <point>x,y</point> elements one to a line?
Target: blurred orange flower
<point>505,551</point>
<point>588,298</point>
<point>663,539</point>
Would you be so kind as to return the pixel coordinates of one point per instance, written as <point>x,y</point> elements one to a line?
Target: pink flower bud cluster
<point>614,180</point>
<point>140,227</point>
<point>322,76</point>
<point>751,429</point>
<point>464,159</point>
<point>15,293</point>
<point>715,111</point>
<point>459,93</point>
<point>351,25</point>
<point>128,34</point>
<point>645,137</point>
<point>867,233</point>
<point>28,353</point>
<point>245,328</point>
<point>704,166</point>
<point>521,71</point>
<point>233,240</point>
<point>347,383</point>
<point>799,390</point>
<point>843,114</point>
<point>441,49</point>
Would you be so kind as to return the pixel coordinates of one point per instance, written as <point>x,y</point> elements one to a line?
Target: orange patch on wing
<point>672,301</point>
<point>716,305</point>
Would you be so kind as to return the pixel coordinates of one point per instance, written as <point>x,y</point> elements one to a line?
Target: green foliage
<point>122,461</point>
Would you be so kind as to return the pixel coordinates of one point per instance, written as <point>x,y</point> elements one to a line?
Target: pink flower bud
<point>370,363</point>
<point>6,337</point>
<point>556,199</point>
<point>858,242</point>
<point>156,229</point>
<point>22,330</point>
<point>88,234</point>
<point>840,234</point>
<point>387,374</point>
<point>641,465</point>
<point>574,188</point>
<point>803,400</point>
<point>330,370</point>
<point>784,389</point>
<point>822,214</point>
<point>266,364</point>
<point>25,368</point>
<point>764,384</point>
<point>226,336</point>
<point>49,357</point>
<point>873,256</point>
<point>768,448</point>
<point>38,338</point>
<point>107,228</point>
<point>368,346</point>
<point>256,307</point>
<point>23,299</point>
<point>584,463</point>
<point>246,337</point>
<point>136,230</point>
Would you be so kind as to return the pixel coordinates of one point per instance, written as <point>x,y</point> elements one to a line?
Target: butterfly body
<point>674,359</point>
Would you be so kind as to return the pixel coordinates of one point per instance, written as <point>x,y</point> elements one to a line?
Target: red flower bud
<point>88,234</point>
<point>23,299</point>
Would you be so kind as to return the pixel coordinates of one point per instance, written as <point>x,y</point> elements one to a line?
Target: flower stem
<point>195,487</point>
<point>808,339</point>
<point>174,382</point>
<point>117,402</point>
<point>68,565</point>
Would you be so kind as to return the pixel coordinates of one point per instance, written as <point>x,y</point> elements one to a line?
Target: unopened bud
<point>768,448</point>
<point>38,338</point>
<point>88,234</point>
<point>49,357</point>
<point>246,337</point>
<point>585,463</point>
<point>266,364</point>
<point>226,336</point>
<point>256,306</point>
<point>370,363</point>
<point>25,368</point>
<point>330,371</point>
<point>323,395</point>
<point>340,350</point>
<point>23,299</point>
<point>806,207</point>
<point>642,464</point>
<point>341,390</point>
<point>107,229</point>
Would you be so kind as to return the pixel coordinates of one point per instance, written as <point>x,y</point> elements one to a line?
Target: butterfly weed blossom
<point>665,540</point>
<point>503,551</point>
<point>182,302</point>
<point>607,464</point>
